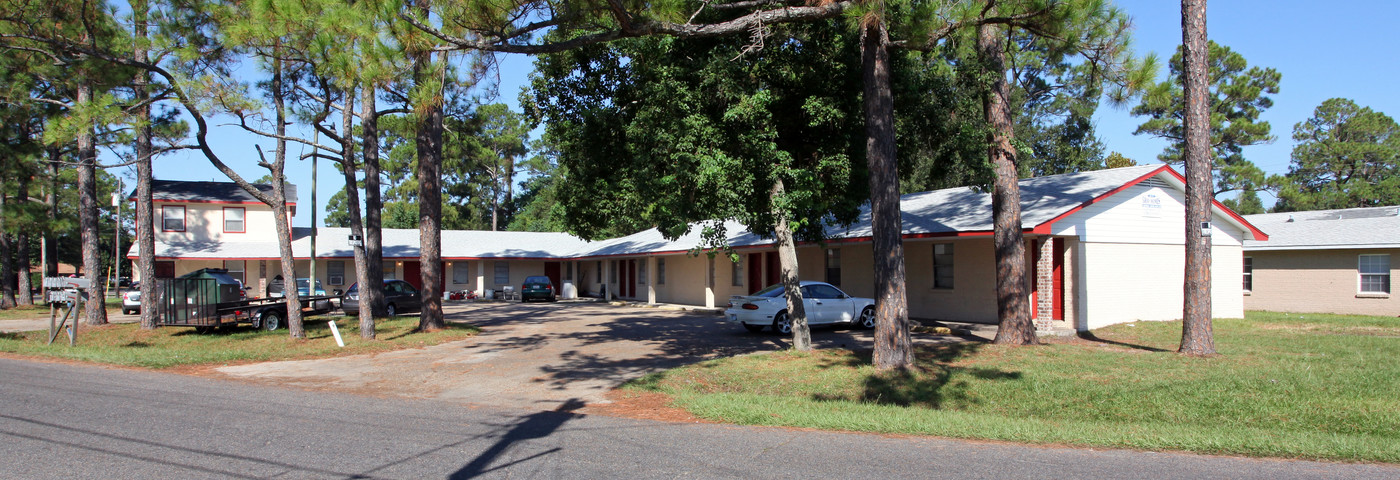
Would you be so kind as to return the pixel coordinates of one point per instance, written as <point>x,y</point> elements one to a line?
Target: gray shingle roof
<point>183,191</point>
<point>1376,227</point>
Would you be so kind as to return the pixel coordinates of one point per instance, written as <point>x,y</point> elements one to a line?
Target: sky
<point>1322,49</point>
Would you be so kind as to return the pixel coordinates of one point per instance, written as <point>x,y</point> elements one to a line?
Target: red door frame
<point>774,272</point>
<point>755,273</point>
<point>632,278</point>
<point>1057,278</point>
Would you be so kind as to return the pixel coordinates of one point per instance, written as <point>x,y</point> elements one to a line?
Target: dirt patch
<point>643,406</point>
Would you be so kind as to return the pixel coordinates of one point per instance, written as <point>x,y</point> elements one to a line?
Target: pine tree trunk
<point>22,262</point>
<point>279,208</point>
<point>787,262</point>
<point>352,200</point>
<point>429,144</point>
<point>145,228</point>
<point>893,347</point>
<point>51,201</point>
<point>7,262</point>
<point>1013,306</point>
<point>373,295</point>
<point>1196,335</point>
<point>87,215</point>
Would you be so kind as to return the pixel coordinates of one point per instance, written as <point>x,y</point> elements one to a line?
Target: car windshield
<point>772,291</point>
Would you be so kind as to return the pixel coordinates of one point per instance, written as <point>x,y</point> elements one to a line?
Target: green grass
<point>165,347</point>
<point>1284,385</point>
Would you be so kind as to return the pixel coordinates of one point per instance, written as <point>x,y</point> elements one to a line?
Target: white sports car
<point>825,304</point>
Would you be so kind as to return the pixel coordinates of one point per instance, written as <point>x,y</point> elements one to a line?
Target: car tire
<point>390,310</point>
<point>271,321</point>
<point>781,324</point>
<point>126,311</point>
<point>753,328</point>
<point>866,320</point>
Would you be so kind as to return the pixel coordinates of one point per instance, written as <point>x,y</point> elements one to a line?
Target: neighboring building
<point>1324,261</point>
<point>1103,247</point>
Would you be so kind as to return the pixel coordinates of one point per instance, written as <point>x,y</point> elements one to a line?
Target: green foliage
<point>665,132</point>
<point>1246,203</point>
<point>1238,94</point>
<point>1347,156</point>
<point>1117,160</point>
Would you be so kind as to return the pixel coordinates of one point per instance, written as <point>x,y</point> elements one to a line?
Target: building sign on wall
<point>1151,206</point>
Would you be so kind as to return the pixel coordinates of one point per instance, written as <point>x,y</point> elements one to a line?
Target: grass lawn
<point>127,344</point>
<point>1284,385</point>
<point>41,310</point>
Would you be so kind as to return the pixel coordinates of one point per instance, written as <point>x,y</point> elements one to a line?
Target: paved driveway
<point>539,355</point>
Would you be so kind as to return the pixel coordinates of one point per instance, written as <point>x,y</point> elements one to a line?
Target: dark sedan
<point>537,288</point>
<point>399,297</point>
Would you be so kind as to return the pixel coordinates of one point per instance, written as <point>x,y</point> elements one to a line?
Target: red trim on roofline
<point>1044,228</point>
<point>225,202</point>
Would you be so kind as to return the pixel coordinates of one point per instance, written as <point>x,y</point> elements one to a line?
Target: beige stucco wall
<point>1317,281</point>
<point>205,222</point>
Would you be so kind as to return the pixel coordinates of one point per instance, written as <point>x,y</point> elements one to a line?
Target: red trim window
<point>172,218</point>
<point>233,220</point>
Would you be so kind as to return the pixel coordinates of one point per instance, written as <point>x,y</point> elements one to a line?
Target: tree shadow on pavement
<point>533,426</point>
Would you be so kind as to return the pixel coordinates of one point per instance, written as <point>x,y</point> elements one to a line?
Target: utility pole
<point>315,153</point>
<point>117,232</point>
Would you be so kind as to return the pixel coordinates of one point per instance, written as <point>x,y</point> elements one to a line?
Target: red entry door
<point>413,274</point>
<point>551,270</point>
<point>1059,279</point>
<point>755,273</point>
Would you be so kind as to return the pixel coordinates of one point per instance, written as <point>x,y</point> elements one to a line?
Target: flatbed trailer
<point>194,302</point>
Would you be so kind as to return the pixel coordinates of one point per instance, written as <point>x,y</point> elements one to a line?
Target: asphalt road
<point>63,421</point>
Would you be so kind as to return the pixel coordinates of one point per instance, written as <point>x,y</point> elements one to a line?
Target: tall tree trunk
<point>352,200</point>
<point>787,261</point>
<point>1196,335</point>
<point>51,200</point>
<point>145,223</point>
<point>429,144</point>
<point>374,250</point>
<point>1013,306</point>
<point>279,207</point>
<point>22,262</point>
<point>7,262</point>
<point>893,347</point>
<point>87,215</point>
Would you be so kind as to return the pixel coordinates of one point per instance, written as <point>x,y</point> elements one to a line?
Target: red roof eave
<point>1044,228</point>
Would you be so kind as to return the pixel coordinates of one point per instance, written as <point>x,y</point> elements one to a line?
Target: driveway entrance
<point>538,355</point>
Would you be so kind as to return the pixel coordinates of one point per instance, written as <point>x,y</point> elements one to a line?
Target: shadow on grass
<point>933,382</point>
<point>1095,338</point>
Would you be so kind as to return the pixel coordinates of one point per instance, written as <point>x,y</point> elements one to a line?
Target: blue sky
<point>1323,50</point>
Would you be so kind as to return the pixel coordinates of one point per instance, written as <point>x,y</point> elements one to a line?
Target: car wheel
<point>867,318</point>
<point>781,324</point>
<point>271,321</point>
<point>126,311</point>
<point>391,311</point>
<point>753,328</point>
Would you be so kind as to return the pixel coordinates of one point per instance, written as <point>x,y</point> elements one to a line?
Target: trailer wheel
<point>271,321</point>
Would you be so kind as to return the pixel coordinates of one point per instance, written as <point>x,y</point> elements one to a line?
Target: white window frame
<point>1248,271</point>
<point>166,217</point>
<point>736,274</point>
<point>391,270</point>
<point>660,271</point>
<point>242,220</point>
<point>951,266</point>
<point>1375,266</point>
<point>642,272</point>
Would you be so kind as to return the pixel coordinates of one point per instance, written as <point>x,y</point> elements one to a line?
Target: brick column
<point>1044,283</point>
